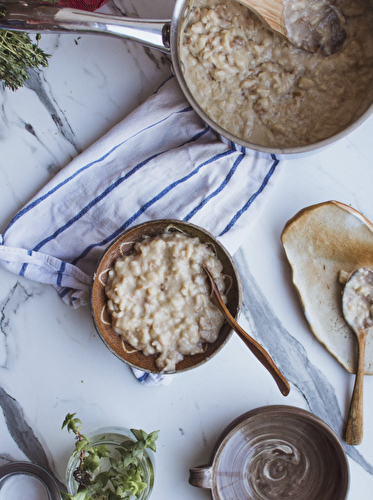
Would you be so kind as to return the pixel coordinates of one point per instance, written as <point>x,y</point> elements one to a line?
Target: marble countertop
<point>52,361</point>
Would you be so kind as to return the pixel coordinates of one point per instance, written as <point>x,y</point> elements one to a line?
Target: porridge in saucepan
<point>158,297</point>
<point>263,89</point>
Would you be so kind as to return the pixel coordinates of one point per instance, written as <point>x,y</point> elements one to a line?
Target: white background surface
<point>52,361</point>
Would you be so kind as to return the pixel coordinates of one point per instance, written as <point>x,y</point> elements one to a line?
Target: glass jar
<point>24,480</point>
<point>112,437</point>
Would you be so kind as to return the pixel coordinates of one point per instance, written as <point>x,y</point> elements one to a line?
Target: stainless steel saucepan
<point>163,35</point>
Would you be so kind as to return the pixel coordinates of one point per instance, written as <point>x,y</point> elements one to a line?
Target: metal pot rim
<point>179,14</point>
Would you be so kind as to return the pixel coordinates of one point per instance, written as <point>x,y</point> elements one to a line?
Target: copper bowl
<point>101,316</point>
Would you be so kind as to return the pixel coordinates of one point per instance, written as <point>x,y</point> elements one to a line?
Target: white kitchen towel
<point>160,162</point>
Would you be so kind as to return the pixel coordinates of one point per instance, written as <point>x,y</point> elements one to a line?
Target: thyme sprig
<point>18,53</point>
<point>125,477</point>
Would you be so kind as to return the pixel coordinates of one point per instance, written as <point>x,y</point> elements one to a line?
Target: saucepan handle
<point>36,17</point>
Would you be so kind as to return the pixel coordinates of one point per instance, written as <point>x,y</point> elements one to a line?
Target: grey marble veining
<point>9,310</point>
<point>51,360</point>
<point>16,422</point>
<point>23,434</point>
<point>291,358</point>
<point>37,83</point>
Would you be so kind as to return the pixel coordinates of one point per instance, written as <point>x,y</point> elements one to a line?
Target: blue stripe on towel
<point>60,273</point>
<point>105,193</point>
<point>93,203</point>
<point>217,191</point>
<point>69,223</point>
<point>36,202</point>
<point>24,266</point>
<point>143,377</point>
<point>184,183</point>
<point>252,197</point>
<point>64,292</point>
<point>149,203</point>
<point>196,137</point>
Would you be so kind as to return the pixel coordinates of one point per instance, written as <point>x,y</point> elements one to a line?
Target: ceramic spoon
<point>258,351</point>
<point>314,31</point>
<point>357,302</point>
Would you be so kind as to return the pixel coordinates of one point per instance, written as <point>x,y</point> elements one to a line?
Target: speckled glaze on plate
<point>124,245</point>
<point>276,453</point>
<point>319,241</point>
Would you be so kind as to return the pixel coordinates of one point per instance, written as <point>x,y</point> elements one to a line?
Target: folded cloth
<point>160,162</point>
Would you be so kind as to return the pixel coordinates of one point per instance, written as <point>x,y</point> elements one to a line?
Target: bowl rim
<point>30,469</point>
<point>276,411</point>
<point>167,222</point>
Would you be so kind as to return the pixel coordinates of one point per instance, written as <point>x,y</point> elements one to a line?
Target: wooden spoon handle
<point>269,11</point>
<point>354,430</point>
<point>259,352</point>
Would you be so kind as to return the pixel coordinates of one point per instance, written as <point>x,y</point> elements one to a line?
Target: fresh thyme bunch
<point>125,477</point>
<point>18,53</point>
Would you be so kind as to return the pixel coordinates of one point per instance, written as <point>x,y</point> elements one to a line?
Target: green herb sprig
<point>18,53</point>
<point>125,477</point>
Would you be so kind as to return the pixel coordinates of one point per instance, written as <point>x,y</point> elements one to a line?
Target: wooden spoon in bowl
<point>259,352</point>
<point>357,306</point>
<point>319,30</point>
<point>271,12</point>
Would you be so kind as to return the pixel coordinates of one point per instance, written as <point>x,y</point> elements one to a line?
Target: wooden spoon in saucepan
<point>258,351</point>
<point>319,30</point>
<point>357,306</point>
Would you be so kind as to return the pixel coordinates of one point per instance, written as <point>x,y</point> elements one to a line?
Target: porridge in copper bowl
<point>159,298</point>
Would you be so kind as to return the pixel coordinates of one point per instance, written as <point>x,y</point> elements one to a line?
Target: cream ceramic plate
<point>320,241</point>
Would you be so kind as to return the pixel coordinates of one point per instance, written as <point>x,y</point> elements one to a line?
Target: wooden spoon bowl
<point>314,31</point>
<point>356,310</point>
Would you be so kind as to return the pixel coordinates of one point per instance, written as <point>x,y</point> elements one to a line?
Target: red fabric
<point>90,5</point>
